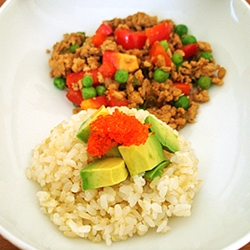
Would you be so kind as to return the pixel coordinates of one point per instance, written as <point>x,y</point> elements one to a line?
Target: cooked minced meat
<point>142,89</point>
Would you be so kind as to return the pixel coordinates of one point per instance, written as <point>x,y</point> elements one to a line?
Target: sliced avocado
<point>84,130</point>
<point>164,134</point>
<point>144,157</point>
<point>157,171</point>
<point>103,172</point>
<point>113,152</point>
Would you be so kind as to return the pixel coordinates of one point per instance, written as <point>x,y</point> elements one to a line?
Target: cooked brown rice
<point>110,213</point>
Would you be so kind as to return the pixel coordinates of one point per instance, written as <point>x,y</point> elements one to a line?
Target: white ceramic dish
<point>30,107</point>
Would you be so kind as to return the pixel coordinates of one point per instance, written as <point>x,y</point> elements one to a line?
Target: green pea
<point>88,92</point>
<point>177,59</point>
<point>182,102</point>
<point>188,39</point>
<point>204,82</point>
<point>206,55</point>
<point>181,29</point>
<point>87,81</point>
<point>81,32</point>
<point>160,75</point>
<point>164,43</point>
<point>59,82</point>
<point>121,76</point>
<point>73,47</point>
<point>100,89</point>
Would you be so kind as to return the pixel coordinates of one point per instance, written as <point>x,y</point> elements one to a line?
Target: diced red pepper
<point>118,102</point>
<point>101,34</point>
<point>189,50</point>
<point>74,78</point>
<point>98,39</point>
<point>107,69</point>
<point>95,102</point>
<point>105,29</point>
<point>113,101</point>
<point>120,60</point>
<point>110,57</point>
<point>158,32</point>
<point>130,39</point>
<point>185,88</point>
<point>94,74</point>
<point>156,50</point>
<point>74,96</point>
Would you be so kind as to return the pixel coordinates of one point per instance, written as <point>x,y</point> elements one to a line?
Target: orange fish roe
<point>115,129</point>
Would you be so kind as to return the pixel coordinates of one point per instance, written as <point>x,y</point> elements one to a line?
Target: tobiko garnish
<point>115,129</point>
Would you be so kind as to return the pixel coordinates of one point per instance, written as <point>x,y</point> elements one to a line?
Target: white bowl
<point>30,107</point>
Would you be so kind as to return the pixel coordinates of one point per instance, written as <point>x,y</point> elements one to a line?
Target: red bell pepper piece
<point>189,50</point>
<point>98,39</point>
<point>95,102</point>
<point>74,77</point>
<point>74,96</point>
<point>105,29</point>
<point>156,50</point>
<point>107,69</point>
<point>94,74</point>
<point>158,32</point>
<point>185,88</point>
<point>101,34</point>
<point>110,57</point>
<point>113,101</point>
<point>129,39</point>
<point>117,103</point>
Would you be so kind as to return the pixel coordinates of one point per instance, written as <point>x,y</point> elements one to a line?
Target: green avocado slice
<point>144,157</point>
<point>113,152</point>
<point>84,130</point>
<point>157,171</point>
<point>103,172</point>
<point>165,135</point>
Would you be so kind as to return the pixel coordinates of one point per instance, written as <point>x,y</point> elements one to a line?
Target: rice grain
<point>110,213</point>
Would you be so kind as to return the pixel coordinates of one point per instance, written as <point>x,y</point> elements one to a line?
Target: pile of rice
<point>111,213</point>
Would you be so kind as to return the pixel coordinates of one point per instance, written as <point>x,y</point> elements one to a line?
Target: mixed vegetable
<point>164,53</point>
